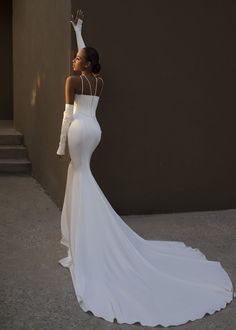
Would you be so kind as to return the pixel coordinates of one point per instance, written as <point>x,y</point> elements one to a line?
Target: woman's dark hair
<point>93,57</point>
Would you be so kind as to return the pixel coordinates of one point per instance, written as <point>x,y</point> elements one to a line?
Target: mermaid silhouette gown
<point>116,273</point>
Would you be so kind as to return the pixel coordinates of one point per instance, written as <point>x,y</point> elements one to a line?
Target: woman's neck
<point>87,73</point>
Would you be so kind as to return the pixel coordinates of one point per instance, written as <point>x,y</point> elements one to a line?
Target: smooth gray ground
<point>37,293</point>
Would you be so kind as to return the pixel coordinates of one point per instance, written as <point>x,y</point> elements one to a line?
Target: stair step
<point>15,165</point>
<point>13,151</point>
<point>10,136</point>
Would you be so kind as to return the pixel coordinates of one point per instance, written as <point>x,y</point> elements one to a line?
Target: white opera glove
<point>67,119</point>
<point>78,30</point>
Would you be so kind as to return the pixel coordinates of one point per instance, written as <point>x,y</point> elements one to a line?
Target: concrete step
<point>10,136</point>
<point>15,165</point>
<point>13,151</point>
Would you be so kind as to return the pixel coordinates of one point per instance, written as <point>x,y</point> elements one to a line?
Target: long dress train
<point>116,273</point>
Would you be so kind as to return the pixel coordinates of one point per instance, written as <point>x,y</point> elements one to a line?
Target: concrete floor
<point>37,293</point>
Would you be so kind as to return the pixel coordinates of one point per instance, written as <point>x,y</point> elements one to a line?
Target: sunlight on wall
<point>36,87</point>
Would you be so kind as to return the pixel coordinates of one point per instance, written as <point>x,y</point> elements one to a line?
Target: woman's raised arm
<point>77,25</point>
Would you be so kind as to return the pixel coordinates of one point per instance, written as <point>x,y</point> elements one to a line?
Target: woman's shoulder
<point>73,81</point>
<point>72,78</point>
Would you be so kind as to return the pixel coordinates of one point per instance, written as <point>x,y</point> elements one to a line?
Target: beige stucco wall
<point>41,57</point>
<point>168,107</point>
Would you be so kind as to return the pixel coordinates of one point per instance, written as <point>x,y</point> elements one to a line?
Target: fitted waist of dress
<point>89,113</point>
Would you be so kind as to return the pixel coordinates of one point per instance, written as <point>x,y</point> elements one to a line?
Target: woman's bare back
<point>87,84</point>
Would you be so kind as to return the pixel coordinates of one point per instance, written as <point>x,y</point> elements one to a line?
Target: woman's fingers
<point>72,19</point>
<point>82,14</point>
<point>76,16</point>
<point>79,15</point>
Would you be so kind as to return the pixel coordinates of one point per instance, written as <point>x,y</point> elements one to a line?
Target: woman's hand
<point>77,25</point>
<point>78,20</point>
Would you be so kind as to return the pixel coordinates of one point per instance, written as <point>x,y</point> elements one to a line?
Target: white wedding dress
<point>116,273</point>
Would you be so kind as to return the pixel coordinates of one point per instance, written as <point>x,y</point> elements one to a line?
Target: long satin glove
<point>67,119</point>
<point>78,30</point>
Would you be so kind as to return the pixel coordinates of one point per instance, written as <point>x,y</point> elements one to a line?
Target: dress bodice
<point>85,104</point>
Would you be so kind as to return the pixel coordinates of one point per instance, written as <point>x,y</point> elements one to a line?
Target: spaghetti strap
<point>89,85</point>
<point>96,85</point>
<point>82,84</point>
<point>102,85</point>
<point>100,78</point>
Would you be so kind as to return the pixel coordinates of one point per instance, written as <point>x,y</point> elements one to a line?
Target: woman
<point>116,273</point>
